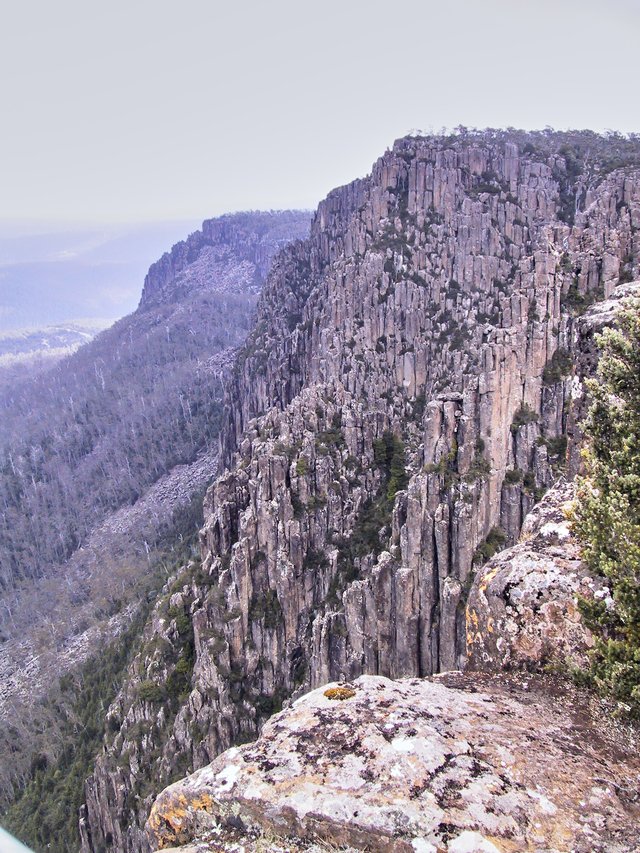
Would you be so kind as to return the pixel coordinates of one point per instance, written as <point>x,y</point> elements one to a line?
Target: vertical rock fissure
<point>435,610</point>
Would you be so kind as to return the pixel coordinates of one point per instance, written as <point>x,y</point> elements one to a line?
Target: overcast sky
<point>150,109</point>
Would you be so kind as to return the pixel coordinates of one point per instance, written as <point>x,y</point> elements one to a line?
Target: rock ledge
<point>457,763</point>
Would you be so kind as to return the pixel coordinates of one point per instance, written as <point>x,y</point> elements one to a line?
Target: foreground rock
<point>457,763</point>
<point>522,609</point>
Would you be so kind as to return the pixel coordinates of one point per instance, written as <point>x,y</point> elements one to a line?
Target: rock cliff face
<point>522,608</point>
<point>410,390</point>
<point>230,254</point>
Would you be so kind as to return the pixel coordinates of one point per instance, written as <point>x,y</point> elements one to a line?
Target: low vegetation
<point>525,415</point>
<point>559,366</point>
<point>375,515</point>
<point>606,517</point>
<point>494,542</point>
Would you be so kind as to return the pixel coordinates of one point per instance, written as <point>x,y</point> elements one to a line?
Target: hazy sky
<point>150,109</point>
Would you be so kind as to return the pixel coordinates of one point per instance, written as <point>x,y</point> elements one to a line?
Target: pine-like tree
<point>606,518</point>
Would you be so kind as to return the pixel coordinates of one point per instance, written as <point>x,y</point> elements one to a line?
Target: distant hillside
<point>26,352</point>
<point>101,455</point>
<point>25,342</point>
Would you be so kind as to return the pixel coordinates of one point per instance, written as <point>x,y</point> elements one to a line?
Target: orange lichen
<point>472,632</point>
<point>168,820</point>
<point>486,580</point>
<point>339,693</point>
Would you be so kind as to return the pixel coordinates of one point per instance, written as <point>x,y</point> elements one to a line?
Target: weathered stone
<point>458,763</point>
<point>522,608</point>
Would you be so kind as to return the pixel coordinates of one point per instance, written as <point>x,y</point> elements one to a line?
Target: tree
<point>606,518</point>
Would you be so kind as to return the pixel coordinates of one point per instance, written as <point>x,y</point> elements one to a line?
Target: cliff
<point>410,389</point>
<point>230,254</point>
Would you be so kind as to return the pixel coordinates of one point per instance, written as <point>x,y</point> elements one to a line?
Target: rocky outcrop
<point>436,303</point>
<point>522,608</point>
<point>459,763</point>
<point>411,388</point>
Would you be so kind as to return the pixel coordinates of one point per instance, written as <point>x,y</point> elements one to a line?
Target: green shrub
<point>316,502</point>
<point>330,438</point>
<point>557,446</point>
<point>297,506</point>
<point>479,469</point>
<point>524,415</point>
<point>388,455</point>
<point>557,367</point>
<point>265,607</point>
<point>606,517</point>
<point>577,303</point>
<point>280,448</point>
<point>150,691</point>
<point>491,545</point>
<point>513,476</point>
<point>314,560</point>
<point>418,407</point>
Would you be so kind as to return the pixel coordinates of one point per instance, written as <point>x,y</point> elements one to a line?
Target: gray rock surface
<point>522,607</point>
<point>460,763</point>
<point>230,254</point>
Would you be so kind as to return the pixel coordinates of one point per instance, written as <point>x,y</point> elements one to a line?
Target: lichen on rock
<point>522,609</point>
<point>458,763</point>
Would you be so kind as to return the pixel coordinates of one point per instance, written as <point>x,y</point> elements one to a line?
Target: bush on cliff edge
<point>606,518</point>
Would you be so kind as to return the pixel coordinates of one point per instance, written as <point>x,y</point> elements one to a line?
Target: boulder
<point>457,762</point>
<point>522,608</point>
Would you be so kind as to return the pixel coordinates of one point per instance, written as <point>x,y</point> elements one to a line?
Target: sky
<point>150,110</point>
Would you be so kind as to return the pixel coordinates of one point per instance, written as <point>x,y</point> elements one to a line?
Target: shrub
<point>577,303</point>
<point>266,608</point>
<point>491,545</point>
<point>557,367</point>
<point>418,407</point>
<point>280,448</point>
<point>316,502</point>
<point>149,691</point>
<point>513,476</point>
<point>524,415</point>
<point>557,446</point>
<point>315,560</point>
<point>297,505</point>
<point>479,469</point>
<point>606,517</point>
<point>388,454</point>
<point>330,438</point>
